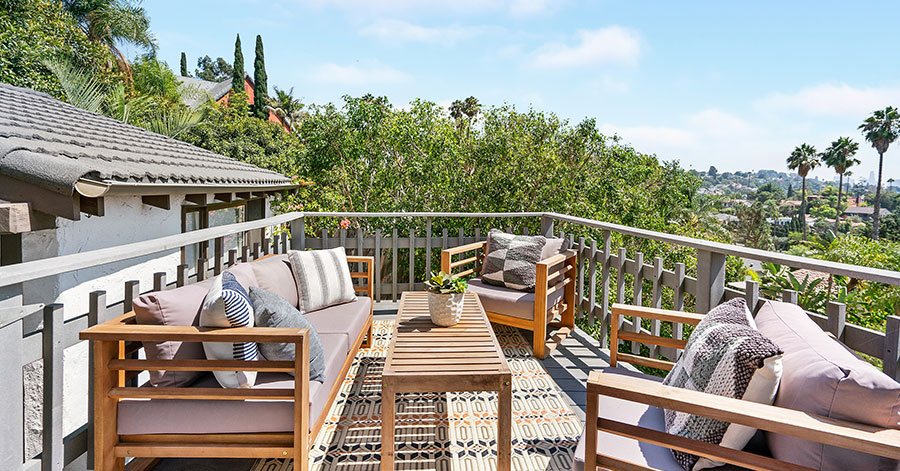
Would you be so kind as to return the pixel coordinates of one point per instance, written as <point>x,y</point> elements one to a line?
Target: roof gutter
<point>94,189</point>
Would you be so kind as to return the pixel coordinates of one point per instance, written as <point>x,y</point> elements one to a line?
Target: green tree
<point>184,71</point>
<point>752,230</point>
<point>213,70</point>
<point>237,72</point>
<point>769,193</point>
<point>464,112</point>
<point>260,81</point>
<point>33,31</point>
<point>113,23</point>
<point>153,77</point>
<point>839,156</point>
<point>803,159</point>
<point>790,191</point>
<point>881,129</point>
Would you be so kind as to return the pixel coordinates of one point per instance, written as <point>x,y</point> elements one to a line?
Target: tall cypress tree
<point>260,88</point>
<point>237,76</point>
<point>184,72</point>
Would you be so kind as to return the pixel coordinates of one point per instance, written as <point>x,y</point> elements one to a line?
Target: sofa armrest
<point>448,265</point>
<point>368,274</point>
<point>555,272</point>
<point>854,436</point>
<point>640,312</point>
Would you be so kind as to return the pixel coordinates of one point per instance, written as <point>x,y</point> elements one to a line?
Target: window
<point>213,215</point>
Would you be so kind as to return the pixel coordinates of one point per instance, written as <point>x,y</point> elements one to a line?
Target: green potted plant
<point>445,298</point>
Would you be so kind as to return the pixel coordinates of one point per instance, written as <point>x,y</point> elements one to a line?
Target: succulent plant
<point>445,283</point>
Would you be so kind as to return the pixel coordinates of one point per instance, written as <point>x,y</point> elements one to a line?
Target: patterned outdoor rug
<point>452,431</point>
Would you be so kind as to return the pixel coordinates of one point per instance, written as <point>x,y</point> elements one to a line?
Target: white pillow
<point>322,277</point>
<point>228,305</point>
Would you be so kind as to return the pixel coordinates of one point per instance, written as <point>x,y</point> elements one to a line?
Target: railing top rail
<point>836,268</point>
<point>14,274</point>
<point>424,215</point>
<point>37,269</point>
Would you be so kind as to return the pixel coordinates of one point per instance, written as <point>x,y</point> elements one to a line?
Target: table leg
<point>387,427</point>
<point>504,424</point>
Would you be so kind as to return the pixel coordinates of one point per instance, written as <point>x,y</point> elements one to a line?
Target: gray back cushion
<point>511,260</point>
<point>272,310</point>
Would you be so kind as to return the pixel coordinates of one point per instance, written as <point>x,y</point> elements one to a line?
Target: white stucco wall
<point>126,220</point>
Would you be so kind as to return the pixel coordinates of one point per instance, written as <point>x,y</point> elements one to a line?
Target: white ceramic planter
<point>445,309</point>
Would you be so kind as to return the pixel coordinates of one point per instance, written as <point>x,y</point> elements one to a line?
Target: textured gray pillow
<point>274,311</point>
<point>726,356</point>
<point>511,260</point>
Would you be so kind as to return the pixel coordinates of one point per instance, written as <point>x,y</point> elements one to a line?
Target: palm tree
<point>113,23</point>
<point>881,129</point>
<point>803,159</point>
<point>839,156</point>
<point>890,184</point>
<point>288,109</point>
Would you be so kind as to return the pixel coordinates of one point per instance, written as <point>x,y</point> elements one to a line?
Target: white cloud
<point>357,75</point>
<point>530,7</point>
<point>648,138</point>
<point>401,31</point>
<point>837,100</point>
<point>718,123</point>
<point>610,45</point>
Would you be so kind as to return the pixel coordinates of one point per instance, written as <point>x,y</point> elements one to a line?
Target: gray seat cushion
<point>509,302</point>
<point>158,416</point>
<point>271,310</point>
<point>628,449</point>
<point>347,319</point>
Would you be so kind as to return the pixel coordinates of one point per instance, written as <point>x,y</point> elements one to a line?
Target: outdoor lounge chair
<point>554,295</point>
<point>625,427</point>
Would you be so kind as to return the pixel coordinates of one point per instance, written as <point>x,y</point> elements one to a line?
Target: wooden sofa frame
<point>115,340</point>
<point>548,282</point>
<point>850,435</point>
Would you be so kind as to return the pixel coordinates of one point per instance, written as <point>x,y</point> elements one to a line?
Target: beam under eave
<point>224,197</point>
<point>92,206</point>
<point>15,218</point>
<point>197,198</point>
<point>41,199</point>
<point>242,195</point>
<point>157,201</point>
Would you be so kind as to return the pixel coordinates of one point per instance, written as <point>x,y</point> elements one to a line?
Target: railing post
<point>891,355</point>
<point>132,290</point>
<point>218,252</point>
<point>96,315</point>
<point>298,233</point>
<point>751,295</point>
<point>710,280</point>
<point>159,281</point>
<point>202,268</point>
<point>181,275</point>
<point>11,422</point>
<point>546,226</point>
<point>837,318</point>
<point>790,296</point>
<point>604,286</point>
<point>428,251</point>
<point>52,353</point>
<point>232,257</point>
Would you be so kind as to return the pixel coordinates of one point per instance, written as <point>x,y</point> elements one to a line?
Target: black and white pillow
<point>726,355</point>
<point>322,277</point>
<point>511,260</point>
<point>228,305</point>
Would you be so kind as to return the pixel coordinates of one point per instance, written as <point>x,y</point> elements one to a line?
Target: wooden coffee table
<point>425,358</point>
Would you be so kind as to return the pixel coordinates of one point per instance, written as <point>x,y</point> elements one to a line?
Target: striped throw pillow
<point>322,277</point>
<point>228,305</point>
<point>726,356</point>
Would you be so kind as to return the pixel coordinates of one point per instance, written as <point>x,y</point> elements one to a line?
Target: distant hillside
<point>746,182</point>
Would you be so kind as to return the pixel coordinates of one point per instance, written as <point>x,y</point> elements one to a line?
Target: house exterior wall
<point>126,220</point>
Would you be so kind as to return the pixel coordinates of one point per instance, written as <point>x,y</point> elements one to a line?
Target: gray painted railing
<point>404,256</point>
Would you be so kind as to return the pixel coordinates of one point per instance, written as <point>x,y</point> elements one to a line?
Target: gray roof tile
<point>52,144</point>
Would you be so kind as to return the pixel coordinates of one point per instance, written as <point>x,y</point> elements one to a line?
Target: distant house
<point>736,202</point>
<point>199,90</point>
<point>779,221</point>
<point>864,212</point>
<point>726,218</point>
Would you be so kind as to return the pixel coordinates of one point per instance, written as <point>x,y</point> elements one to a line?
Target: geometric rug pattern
<point>447,431</point>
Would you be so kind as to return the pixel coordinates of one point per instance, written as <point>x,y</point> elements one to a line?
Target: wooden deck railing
<point>406,247</point>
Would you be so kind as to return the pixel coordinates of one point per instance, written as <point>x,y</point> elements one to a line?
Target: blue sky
<point>731,84</point>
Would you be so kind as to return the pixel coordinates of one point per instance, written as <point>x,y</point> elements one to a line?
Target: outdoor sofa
<point>832,410</point>
<point>195,417</point>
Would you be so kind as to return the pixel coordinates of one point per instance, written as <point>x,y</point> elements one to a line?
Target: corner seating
<point>265,424</point>
<point>554,294</point>
<point>625,422</point>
